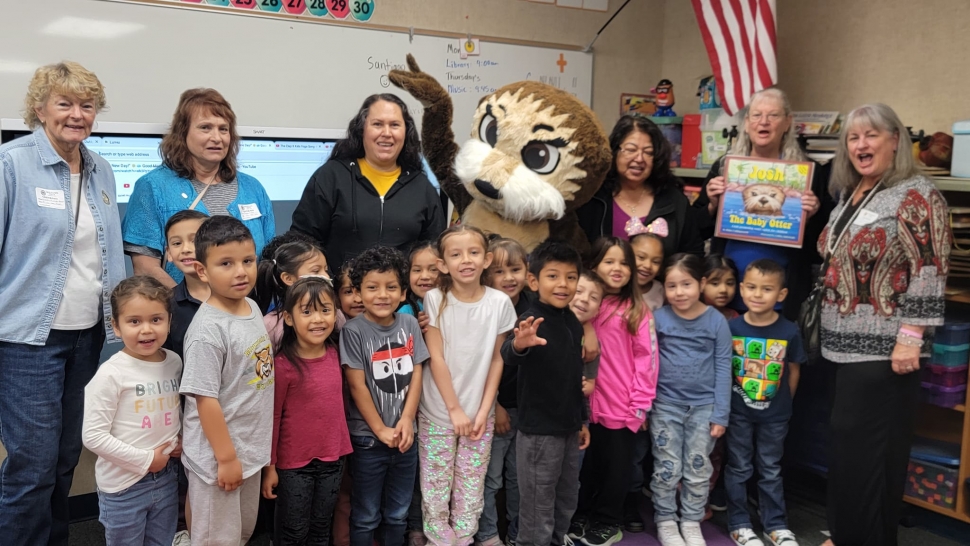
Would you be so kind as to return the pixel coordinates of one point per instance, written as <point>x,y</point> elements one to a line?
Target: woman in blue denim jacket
<point>60,257</point>
<point>198,172</point>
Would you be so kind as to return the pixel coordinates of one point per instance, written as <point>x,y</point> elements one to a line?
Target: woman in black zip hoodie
<point>640,192</point>
<point>373,189</point>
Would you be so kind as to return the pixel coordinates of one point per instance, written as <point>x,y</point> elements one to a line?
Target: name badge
<point>250,211</point>
<point>50,199</point>
<point>865,218</point>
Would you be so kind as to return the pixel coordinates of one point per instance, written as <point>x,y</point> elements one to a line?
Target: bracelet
<point>909,341</point>
<point>911,333</point>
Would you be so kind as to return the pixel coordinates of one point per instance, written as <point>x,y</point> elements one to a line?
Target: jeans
<point>305,499</point>
<point>41,408</point>
<point>503,458</point>
<point>742,437</point>
<point>383,482</point>
<point>682,445</point>
<point>145,513</point>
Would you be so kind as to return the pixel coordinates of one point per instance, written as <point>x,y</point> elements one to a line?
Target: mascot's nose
<point>763,201</point>
<point>487,189</point>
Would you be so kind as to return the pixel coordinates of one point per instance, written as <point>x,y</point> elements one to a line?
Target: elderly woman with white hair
<point>888,245</point>
<point>769,133</point>
<point>60,257</point>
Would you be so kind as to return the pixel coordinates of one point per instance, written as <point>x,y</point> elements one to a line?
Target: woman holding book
<point>769,133</point>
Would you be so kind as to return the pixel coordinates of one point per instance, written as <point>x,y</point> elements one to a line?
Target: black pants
<point>873,415</point>
<point>605,477</point>
<point>305,499</point>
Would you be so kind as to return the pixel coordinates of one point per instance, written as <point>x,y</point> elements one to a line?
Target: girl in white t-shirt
<point>132,419</point>
<point>468,324</point>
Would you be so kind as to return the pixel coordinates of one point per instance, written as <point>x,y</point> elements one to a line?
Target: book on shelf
<point>816,123</point>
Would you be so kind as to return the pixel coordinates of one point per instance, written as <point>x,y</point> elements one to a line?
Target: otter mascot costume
<point>536,155</point>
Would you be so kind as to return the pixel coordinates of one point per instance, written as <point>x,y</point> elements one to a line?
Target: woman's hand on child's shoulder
<point>270,480</point>
<point>717,430</point>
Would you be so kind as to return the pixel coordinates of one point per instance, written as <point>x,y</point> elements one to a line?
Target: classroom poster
<point>762,201</point>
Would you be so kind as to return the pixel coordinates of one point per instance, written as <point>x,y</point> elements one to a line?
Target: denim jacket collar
<point>49,156</point>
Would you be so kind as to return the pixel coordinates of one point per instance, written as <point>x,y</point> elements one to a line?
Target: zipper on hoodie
<point>380,237</point>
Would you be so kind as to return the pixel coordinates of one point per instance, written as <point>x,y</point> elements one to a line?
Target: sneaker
<point>182,539</point>
<point>417,538</point>
<point>781,537</point>
<point>577,529</point>
<point>691,531</point>
<point>668,534</point>
<point>718,500</point>
<point>511,542</point>
<point>746,537</point>
<point>632,521</point>
<point>602,535</point>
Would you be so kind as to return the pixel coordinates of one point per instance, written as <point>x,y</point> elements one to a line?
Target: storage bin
<point>692,145</point>
<point>946,397</point>
<point>950,355</point>
<point>932,483</point>
<point>953,333</point>
<point>945,376</point>
<point>960,167</point>
<point>933,451</point>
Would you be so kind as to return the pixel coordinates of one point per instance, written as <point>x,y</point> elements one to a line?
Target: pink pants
<point>452,481</point>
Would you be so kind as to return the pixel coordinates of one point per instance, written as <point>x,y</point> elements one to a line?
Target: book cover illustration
<point>762,201</point>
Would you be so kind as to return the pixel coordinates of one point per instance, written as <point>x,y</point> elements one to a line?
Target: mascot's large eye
<point>541,157</point>
<point>488,130</point>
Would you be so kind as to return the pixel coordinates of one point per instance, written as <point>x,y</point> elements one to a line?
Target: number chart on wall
<point>360,10</point>
<point>278,69</point>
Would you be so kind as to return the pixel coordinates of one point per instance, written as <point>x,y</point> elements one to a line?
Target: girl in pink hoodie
<point>625,389</point>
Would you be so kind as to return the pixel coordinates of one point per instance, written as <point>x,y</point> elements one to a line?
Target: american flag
<point>740,40</point>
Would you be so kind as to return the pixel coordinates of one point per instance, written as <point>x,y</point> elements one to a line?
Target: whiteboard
<point>274,72</point>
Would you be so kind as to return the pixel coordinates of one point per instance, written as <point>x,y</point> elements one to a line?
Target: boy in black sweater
<point>548,349</point>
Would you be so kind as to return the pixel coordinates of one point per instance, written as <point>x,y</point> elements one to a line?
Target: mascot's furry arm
<point>437,138</point>
<point>535,154</point>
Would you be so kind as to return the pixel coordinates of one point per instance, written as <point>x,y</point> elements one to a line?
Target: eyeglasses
<point>773,117</point>
<point>633,152</point>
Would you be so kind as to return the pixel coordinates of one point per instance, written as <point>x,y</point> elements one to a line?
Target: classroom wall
<point>627,55</point>
<point>627,59</point>
<point>836,55</point>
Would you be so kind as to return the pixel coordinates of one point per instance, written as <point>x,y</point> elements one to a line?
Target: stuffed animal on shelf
<point>665,99</point>
<point>536,154</point>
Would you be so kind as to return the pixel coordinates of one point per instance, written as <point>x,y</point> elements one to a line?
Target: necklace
<point>634,224</point>
<point>830,244</point>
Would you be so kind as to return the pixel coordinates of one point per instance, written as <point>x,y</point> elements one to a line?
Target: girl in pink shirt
<point>624,392</point>
<point>310,436</point>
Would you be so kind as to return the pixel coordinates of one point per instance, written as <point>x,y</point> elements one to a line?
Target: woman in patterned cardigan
<point>888,246</point>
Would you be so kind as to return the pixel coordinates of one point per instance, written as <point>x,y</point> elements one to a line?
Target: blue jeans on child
<point>742,437</point>
<point>145,513</point>
<point>682,445</point>
<point>383,479</point>
<point>503,458</point>
<point>40,427</point>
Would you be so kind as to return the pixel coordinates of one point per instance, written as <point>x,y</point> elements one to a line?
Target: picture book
<point>762,201</point>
